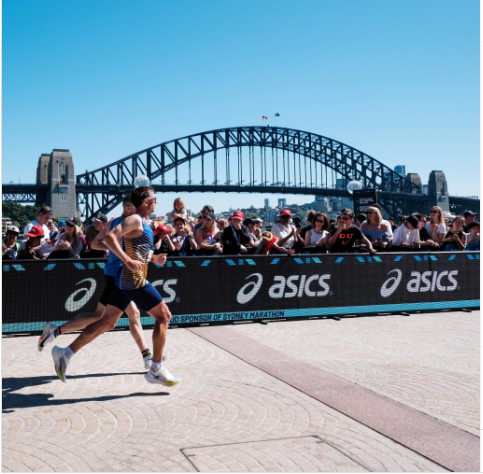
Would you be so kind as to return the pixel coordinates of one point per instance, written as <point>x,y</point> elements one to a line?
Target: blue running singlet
<point>136,248</point>
<point>114,263</point>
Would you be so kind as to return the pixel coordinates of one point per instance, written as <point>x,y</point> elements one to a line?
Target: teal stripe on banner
<point>280,313</point>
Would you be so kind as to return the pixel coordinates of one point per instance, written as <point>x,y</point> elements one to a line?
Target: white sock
<point>50,337</point>
<point>156,366</point>
<point>68,352</point>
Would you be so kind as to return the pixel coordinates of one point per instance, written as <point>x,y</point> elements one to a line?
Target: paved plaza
<point>383,393</point>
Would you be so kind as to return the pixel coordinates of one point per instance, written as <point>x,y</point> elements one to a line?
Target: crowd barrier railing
<point>234,288</point>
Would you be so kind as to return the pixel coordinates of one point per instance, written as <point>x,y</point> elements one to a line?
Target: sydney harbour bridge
<point>253,159</point>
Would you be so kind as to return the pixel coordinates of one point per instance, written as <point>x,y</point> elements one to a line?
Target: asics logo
<point>390,285</point>
<point>253,286</point>
<point>72,304</point>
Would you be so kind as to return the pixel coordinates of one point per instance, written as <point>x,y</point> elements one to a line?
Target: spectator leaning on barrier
<point>406,236</point>
<point>183,240</point>
<point>208,236</point>
<point>473,238</point>
<point>235,237</point>
<point>222,224</point>
<point>317,236</point>
<point>10,246</point>
<point>91,232</point>
<point>30,248</point>
<point>41,220</point>
<point>310,218</point>
<point>375,230</point>
<point>52,229</point>
<point>204,211</point>
<point>70,241</point>
<point>344,234</point>
<point>469,218</point>
<point>251,229</point>
<point>435,226</point>
<point>258,231</point>
<point>286,233</point>
<point>162,239</point>
<point>455,238</point>
<point>424,240</point>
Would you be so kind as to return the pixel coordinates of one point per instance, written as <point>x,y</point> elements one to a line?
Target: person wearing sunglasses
<point>70,243</point>
<point>426,243</point>
<point>81,321</point>
<point>317,236</point>
<point>375,229</point>
<point>344,234</point>
<point>131,240</point>
<point>435,226</point>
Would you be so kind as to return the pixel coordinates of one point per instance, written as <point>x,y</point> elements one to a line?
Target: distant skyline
<point>396,80</point>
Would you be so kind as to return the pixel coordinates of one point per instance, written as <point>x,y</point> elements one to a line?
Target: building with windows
<point>401,169</point>
<point>6,221</point>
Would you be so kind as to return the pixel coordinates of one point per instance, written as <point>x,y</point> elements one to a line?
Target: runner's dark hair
<point>140,194</point>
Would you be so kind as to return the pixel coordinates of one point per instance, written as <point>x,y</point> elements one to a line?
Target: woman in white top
<point>435,226</point>
<point>318,234</point>
<point>406,236</point>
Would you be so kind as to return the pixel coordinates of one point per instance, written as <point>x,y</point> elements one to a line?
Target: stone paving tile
<point>108,418</point>
<point>427,361</point>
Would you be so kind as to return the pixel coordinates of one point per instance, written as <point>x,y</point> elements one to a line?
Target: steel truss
<point>303,159</point>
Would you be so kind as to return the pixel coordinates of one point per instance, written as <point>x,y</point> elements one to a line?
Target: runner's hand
<point>160,259</point>
<point>134,265</point>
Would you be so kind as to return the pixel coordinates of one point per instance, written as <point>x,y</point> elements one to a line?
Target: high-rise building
<point>267,202</point>
<point>401,169</point>
<point>282,202</point>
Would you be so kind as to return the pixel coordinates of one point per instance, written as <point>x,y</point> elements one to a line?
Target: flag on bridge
<point>277,115</point>
<point>264,118</point>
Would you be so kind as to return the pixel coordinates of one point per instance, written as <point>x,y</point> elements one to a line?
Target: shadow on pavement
<point>11,399</point>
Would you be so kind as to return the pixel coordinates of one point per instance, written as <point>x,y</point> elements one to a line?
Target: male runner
<point>131,285</point>
<point>111,268</point>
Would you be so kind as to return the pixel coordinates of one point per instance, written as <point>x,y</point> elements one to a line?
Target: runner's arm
<point>112,240</point>
<point>97,243</point>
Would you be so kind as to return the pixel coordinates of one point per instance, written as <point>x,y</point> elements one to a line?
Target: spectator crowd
<point>205,235</point>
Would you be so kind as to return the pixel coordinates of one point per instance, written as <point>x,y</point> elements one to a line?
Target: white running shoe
<point>163,377</point>
<point>60,362</point>
<point>46,333</point>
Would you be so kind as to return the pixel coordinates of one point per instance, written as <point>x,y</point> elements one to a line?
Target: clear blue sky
<point>397,80</point>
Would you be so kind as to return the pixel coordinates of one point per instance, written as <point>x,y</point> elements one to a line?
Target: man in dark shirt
<point>469,218</point>
<point>235,237</point>
<point>343,236</point>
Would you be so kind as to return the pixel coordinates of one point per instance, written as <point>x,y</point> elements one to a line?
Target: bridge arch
<point>284,172</point>
<point>156,161</point>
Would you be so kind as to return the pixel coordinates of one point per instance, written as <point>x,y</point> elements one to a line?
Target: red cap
<point>237,214</point>
<point>36,231</point>
<point>161,229</point>
<point>285,212</point>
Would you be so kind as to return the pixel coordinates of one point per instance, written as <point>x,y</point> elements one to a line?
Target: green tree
<point>22,215</point>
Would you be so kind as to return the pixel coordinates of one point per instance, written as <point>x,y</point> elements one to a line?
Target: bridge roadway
<point>13,192</point>
<point>385,394</point>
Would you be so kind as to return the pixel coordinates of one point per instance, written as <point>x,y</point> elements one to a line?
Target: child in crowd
<point>179,209</point>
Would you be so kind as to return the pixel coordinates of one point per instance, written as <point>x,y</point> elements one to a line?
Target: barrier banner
<point>215,289</point>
